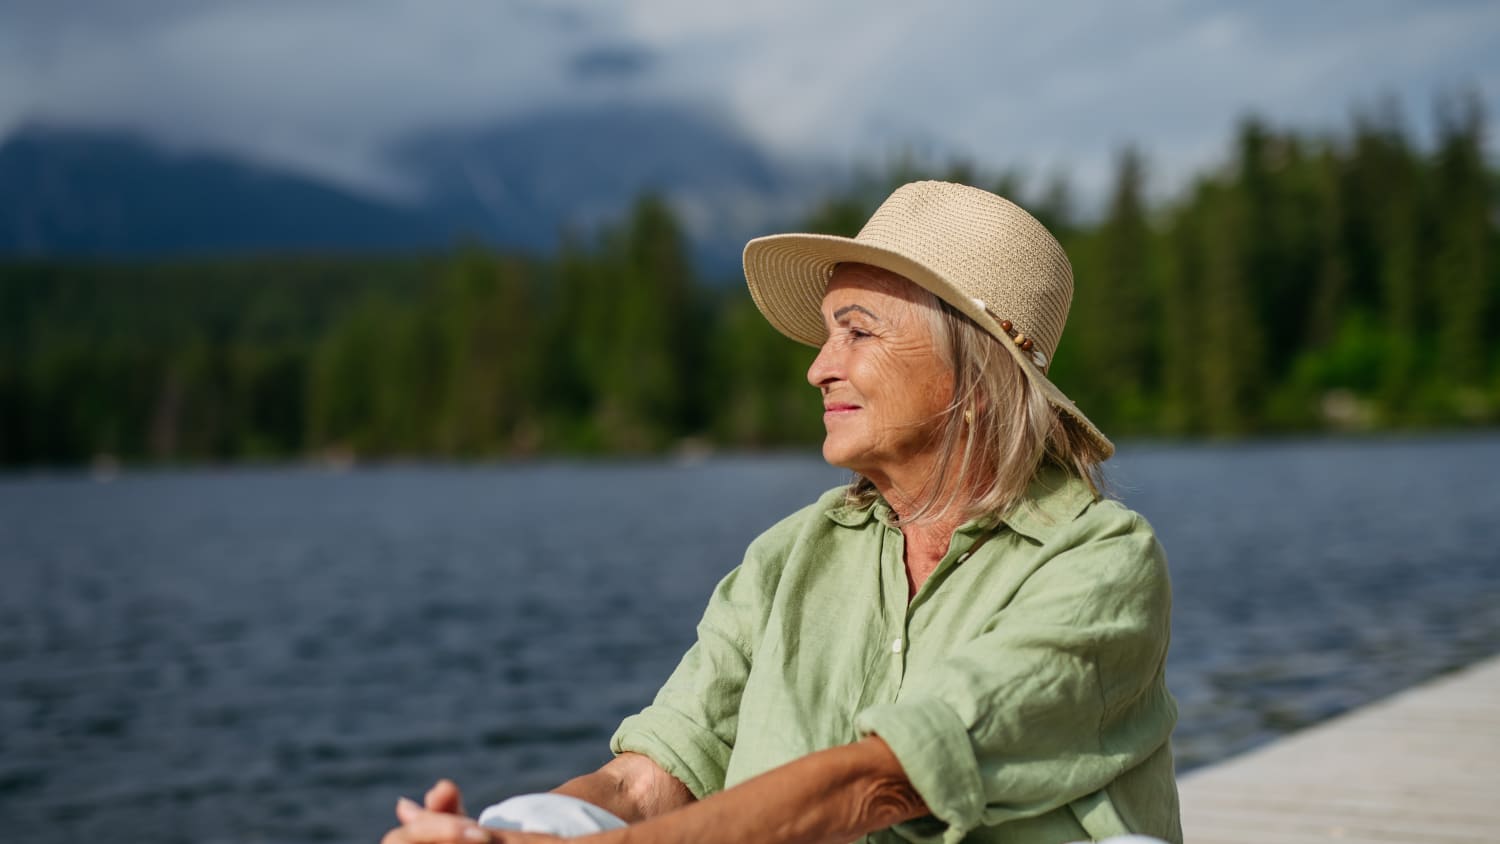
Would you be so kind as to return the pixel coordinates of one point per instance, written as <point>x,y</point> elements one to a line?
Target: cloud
<point>1063,86</point>
<point>321,86</point>
<point>610,61</point>
<point>325,85</point>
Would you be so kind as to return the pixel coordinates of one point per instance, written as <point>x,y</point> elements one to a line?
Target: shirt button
<point>896,646</point>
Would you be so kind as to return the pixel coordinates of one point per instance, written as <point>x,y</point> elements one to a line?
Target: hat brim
<point>788,274</point>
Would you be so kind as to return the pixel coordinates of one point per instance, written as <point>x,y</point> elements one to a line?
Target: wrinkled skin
<point>885,385</point>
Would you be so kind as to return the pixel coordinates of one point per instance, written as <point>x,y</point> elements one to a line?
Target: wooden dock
<point>1421,766</point>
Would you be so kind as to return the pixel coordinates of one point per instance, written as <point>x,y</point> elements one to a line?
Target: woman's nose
<point>825,367</point>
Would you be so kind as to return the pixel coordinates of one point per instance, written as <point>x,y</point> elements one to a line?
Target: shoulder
<point>813,526</point>
<point>1111,554</point>
<point>751,585</point>
<point>1116,541</point>
<point>822,515</point>
<point>1075,533</point>
<point>1106,519</point>
<point>1059,508</point>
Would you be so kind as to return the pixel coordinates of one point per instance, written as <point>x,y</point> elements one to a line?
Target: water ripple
<point>277,654</point>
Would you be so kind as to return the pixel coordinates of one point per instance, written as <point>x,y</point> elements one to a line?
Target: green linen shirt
<point>1022,688</point>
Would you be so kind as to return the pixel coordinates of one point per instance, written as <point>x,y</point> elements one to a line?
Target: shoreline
<point>108,467</point>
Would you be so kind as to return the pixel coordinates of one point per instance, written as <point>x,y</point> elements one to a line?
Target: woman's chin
<point>841,455</point>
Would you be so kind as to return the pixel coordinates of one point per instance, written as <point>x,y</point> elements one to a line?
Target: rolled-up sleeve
<point>1062,693</point>
<point>690,727</point>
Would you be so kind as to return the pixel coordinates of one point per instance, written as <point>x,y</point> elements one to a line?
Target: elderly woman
<point>965,644</point>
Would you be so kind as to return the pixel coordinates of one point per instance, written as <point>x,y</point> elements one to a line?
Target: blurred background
<point>380,398</point>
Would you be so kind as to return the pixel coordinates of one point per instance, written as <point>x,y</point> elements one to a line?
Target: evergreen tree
<point>1230,349</point>
<point>1116,314</point>
<point>1348,281</point>
<point>1460,275</point>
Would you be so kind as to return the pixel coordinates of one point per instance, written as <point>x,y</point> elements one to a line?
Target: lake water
<point>274,655</point>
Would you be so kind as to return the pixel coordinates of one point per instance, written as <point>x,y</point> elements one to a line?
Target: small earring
<point>968,416</point>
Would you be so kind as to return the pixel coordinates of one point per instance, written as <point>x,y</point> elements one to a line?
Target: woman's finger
<point>424,827</point>
<point>444,796</point>
<point>407,809</point>
<point>510,836</point>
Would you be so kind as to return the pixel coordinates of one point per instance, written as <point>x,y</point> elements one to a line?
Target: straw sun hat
<point>979,253</point>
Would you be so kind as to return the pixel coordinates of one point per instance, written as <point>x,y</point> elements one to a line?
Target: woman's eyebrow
<point>847,308</point>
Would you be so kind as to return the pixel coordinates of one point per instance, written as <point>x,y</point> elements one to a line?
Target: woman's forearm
<point>834,795</point>
<point>630,786</point>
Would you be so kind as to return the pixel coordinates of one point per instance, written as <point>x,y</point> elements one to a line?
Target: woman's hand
<point>441,820</point>
<point>427,826</point>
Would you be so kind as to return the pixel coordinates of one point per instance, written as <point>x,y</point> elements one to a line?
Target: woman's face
<point>885,386</point>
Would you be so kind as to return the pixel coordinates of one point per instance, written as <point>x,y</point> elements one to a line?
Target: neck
<point>910,485</point>
<point>905,488</point>
<point>927,538</point>
<point>925,544</point>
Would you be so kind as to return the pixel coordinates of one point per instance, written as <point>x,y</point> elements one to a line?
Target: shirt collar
<point>1054,498</point>
<point>850,515</point>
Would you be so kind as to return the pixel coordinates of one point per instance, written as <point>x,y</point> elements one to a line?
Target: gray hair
<point>996,433</point>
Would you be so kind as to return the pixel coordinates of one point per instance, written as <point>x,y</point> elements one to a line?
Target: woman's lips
<point>837,408</point>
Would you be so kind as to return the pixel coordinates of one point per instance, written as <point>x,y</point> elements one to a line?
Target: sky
<point>1056,88</point>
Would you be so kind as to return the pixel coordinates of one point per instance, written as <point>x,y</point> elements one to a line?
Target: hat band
<point>1024,343</point>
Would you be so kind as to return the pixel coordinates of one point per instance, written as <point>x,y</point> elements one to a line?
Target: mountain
<point>75,192</point>
<point>521,181</point>
<point>518,183</point>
